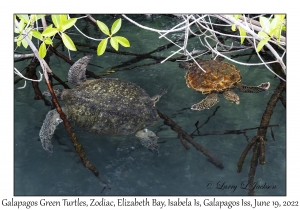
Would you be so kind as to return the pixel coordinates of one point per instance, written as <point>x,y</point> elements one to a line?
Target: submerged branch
<point>283,101</point>
<point>244,154</point>
<point>259,140</point>
<point>252,171</point>
<point>270,107</point>
<point>183,135</point>
<point>31,74</point>
<point>239,131</point>
<point>77,145</point>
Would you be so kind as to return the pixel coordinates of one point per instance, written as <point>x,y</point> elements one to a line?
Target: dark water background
<point>128,167</point>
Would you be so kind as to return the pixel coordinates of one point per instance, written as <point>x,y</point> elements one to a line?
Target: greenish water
<point>128,167</point>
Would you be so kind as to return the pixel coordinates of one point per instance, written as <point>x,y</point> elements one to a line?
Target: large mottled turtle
<point>220,77</point>
<point>105,106</point>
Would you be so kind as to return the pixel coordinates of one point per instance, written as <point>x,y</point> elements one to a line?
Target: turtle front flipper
<point>210,100</point>
<point>50,123</point>
<point>148,139</point>
<point>231,96</point>
<point>76,75</point>
<point>253,89</point>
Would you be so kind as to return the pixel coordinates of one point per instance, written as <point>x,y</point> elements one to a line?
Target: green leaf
<point>16,30</point>
<point>101,47</point>
<point>275,32</point>
<point>114,43</point>
<point>236,16</point>
<point>36,17</point>
<point>261,44</point>
<point>103,27</point>
<point>263,35</point>
<point>56,20</point>
<point>277,35</point>
<point>265,24</point>
<point>21,25</point>
<point>29,34</point>
<point>40,16</point>
<point>122,40</point>
<point>63,19</point>
<point>242,34</point>
<point>19,40</point>
<point>42,50</point>
<point>23,40</point>
<point>48,41</point>
<point>68,42</point>
<point>233,27</point>
<point>33,18</point>
<point>68,24</point>
<point>280,16</point>
<point>275,25</point>
<point>25,18</point>
<point>48,32</point>
<point>116,26</point>
<point>24,43</point>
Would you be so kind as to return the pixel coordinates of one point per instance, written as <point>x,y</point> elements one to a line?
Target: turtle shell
<point>219,76</point>
<point>110,106</point>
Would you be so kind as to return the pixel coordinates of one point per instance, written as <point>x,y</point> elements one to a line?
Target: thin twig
<point>182,134</point>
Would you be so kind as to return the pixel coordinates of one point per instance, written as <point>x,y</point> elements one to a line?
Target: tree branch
<point>77,145</point>
<point>184,135</point>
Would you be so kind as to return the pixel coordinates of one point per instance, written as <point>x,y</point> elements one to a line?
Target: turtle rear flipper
<point>210,100</point>
<point>253,89</point>
<point>76,74</point>
<point>148,139</point>
<point>50,123</point>
<point>231,96</point>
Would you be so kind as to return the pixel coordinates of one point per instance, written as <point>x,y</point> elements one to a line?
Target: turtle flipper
<point>148,139</point>
<point>76,75</point>
<point>50,123</point>
<point>253,89</point>
<point>231,96</point>
<point>210,100</point>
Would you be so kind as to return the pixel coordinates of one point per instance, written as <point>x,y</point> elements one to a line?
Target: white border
<point>10,7</point>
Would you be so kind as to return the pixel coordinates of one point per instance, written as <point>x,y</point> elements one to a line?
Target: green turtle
<point>220,77</point>
<point>105,106</point>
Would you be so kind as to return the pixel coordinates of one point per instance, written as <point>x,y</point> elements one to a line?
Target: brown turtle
<point>220,77</point>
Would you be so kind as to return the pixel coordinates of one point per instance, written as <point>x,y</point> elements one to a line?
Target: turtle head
<point>185,65</point>
<point>156,98</point>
